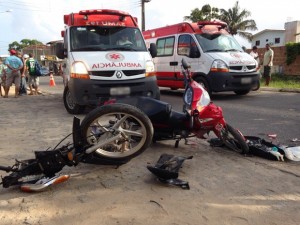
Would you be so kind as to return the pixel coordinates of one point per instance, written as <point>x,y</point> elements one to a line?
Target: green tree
<point>23,43</point>
<point>206,13</point>
<point>237,21</point>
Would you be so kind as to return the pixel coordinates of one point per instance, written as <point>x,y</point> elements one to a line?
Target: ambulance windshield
<point>96,38</point>
<point>218,42</point>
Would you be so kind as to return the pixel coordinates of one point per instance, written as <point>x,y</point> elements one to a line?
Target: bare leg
<point>17,88</point>
<point>6,89</point>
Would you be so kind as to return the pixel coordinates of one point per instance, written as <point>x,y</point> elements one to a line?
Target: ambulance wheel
<point>69,103</point>
<point>202,81</point>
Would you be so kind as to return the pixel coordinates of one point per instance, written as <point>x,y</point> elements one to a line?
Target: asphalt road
<point>257,114</point>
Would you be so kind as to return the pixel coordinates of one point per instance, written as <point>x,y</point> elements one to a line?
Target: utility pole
<point>143,13</point>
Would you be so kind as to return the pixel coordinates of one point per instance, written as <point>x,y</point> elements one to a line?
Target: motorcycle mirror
<point>185,64</point>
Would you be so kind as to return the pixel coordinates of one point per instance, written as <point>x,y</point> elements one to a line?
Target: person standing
<point>2,76</point>
<point>33,79</point>
<point>23,86</point>
<point>14,65</point>
<point>268,63</point>
<point>255,55</point>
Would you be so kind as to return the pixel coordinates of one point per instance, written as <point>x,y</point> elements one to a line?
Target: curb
<point>293,90</point>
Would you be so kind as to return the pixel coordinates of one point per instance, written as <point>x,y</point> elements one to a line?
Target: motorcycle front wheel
<point>234,140</point>
<point>130,123</point>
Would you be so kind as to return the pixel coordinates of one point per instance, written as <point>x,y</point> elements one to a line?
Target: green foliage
<point>23,43</point>
<point>235,17</point>
<point>237,21</point>
<point>283,81</point>
<point>292,50</point>
<point>206,13</point>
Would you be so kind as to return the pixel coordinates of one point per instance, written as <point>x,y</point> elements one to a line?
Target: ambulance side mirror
<point>153,50</point>
<point>194,52</point>
<point>60,50</point>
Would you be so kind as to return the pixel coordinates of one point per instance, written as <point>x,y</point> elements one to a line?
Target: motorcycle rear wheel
<point>234,140</point>
<point>109,120</point>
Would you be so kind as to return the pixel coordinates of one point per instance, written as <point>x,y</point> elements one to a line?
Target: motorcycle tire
<point>106,121</point>
<point>234,140</point>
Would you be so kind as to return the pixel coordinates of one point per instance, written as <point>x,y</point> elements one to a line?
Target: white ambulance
<point>105,56</point>
<point>217,60</point>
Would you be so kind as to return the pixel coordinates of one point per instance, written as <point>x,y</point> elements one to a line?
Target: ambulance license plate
<point>246,80</point>
<point>120,91</point>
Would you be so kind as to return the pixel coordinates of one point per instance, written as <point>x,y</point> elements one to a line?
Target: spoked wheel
<point>133,127</point>
<point>234,140</point>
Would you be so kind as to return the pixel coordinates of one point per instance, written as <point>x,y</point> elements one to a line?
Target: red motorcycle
<point>199,117</point>
<point>116,132</point>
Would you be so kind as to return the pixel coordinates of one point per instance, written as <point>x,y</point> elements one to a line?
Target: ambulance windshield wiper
<point>232,50</point>
<point>95,48</point>
<point>124,48</point>
<point>215,50</point>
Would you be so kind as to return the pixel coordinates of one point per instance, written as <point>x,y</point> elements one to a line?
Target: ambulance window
<point>165,46</point>
<point>185,43</point>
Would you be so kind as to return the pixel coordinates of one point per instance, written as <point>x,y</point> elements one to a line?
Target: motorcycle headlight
<point>219,66</point>
<point>188,96</point>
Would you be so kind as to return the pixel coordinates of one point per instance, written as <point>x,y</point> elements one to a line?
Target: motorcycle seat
<point>155,109</point>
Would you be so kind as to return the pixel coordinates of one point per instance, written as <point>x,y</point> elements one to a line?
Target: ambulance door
<point>183,49</point>
<point>164,61</point>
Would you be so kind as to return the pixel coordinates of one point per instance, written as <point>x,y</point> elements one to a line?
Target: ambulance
<point>217,61</point>
<point>105,57</point>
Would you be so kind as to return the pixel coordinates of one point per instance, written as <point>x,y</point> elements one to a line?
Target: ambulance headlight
<point>150,68</point>
<point>219,66</point>
<point>78,70</point>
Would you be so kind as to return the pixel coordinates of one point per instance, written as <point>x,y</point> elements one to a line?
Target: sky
<point>43,19</point>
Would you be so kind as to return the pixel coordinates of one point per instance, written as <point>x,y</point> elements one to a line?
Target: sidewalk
<point>294,90</point>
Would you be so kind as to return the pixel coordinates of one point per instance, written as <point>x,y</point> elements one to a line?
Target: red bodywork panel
<point>185,27</point>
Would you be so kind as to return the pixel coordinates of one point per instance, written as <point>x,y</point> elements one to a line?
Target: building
<point>278,38</point>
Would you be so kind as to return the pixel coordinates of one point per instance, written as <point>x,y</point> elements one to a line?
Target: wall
<point>292,28</point>
<point>280,61</point>
<point>268,36</point>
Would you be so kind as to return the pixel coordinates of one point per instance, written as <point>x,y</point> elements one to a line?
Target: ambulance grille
<point>110,73</point>
<point>240,68</point>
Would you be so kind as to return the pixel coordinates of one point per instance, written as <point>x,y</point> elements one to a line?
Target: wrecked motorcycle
<point>199,117</point>
<point>123,132</point>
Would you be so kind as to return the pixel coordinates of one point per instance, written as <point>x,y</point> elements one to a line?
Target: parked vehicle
<point>217,60</point>
<point>44,71</point>
<point>98,66</point>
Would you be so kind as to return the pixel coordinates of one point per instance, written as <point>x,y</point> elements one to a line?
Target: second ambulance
<point>217,60</point>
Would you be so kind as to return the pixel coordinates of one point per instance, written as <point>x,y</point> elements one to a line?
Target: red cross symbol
<point>114,56</point>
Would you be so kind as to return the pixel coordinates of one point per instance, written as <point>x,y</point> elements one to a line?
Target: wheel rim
<point>230,142</point>
<point>133,131</point>
<point>70,101</point>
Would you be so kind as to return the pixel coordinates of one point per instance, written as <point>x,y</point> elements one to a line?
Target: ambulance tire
<point>202,81</point>
<point>69,103</point>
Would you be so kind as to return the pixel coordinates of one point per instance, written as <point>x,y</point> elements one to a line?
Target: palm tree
<point>206,13</point>
<point>237,22</point>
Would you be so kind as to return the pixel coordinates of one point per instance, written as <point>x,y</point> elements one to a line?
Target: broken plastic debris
<point>272,135</point>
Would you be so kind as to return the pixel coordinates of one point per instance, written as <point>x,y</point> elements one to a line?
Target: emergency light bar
<point>201,24</point>
<point>103,11</point>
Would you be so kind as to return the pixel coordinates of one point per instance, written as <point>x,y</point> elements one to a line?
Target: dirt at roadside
<point>225,188</point>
